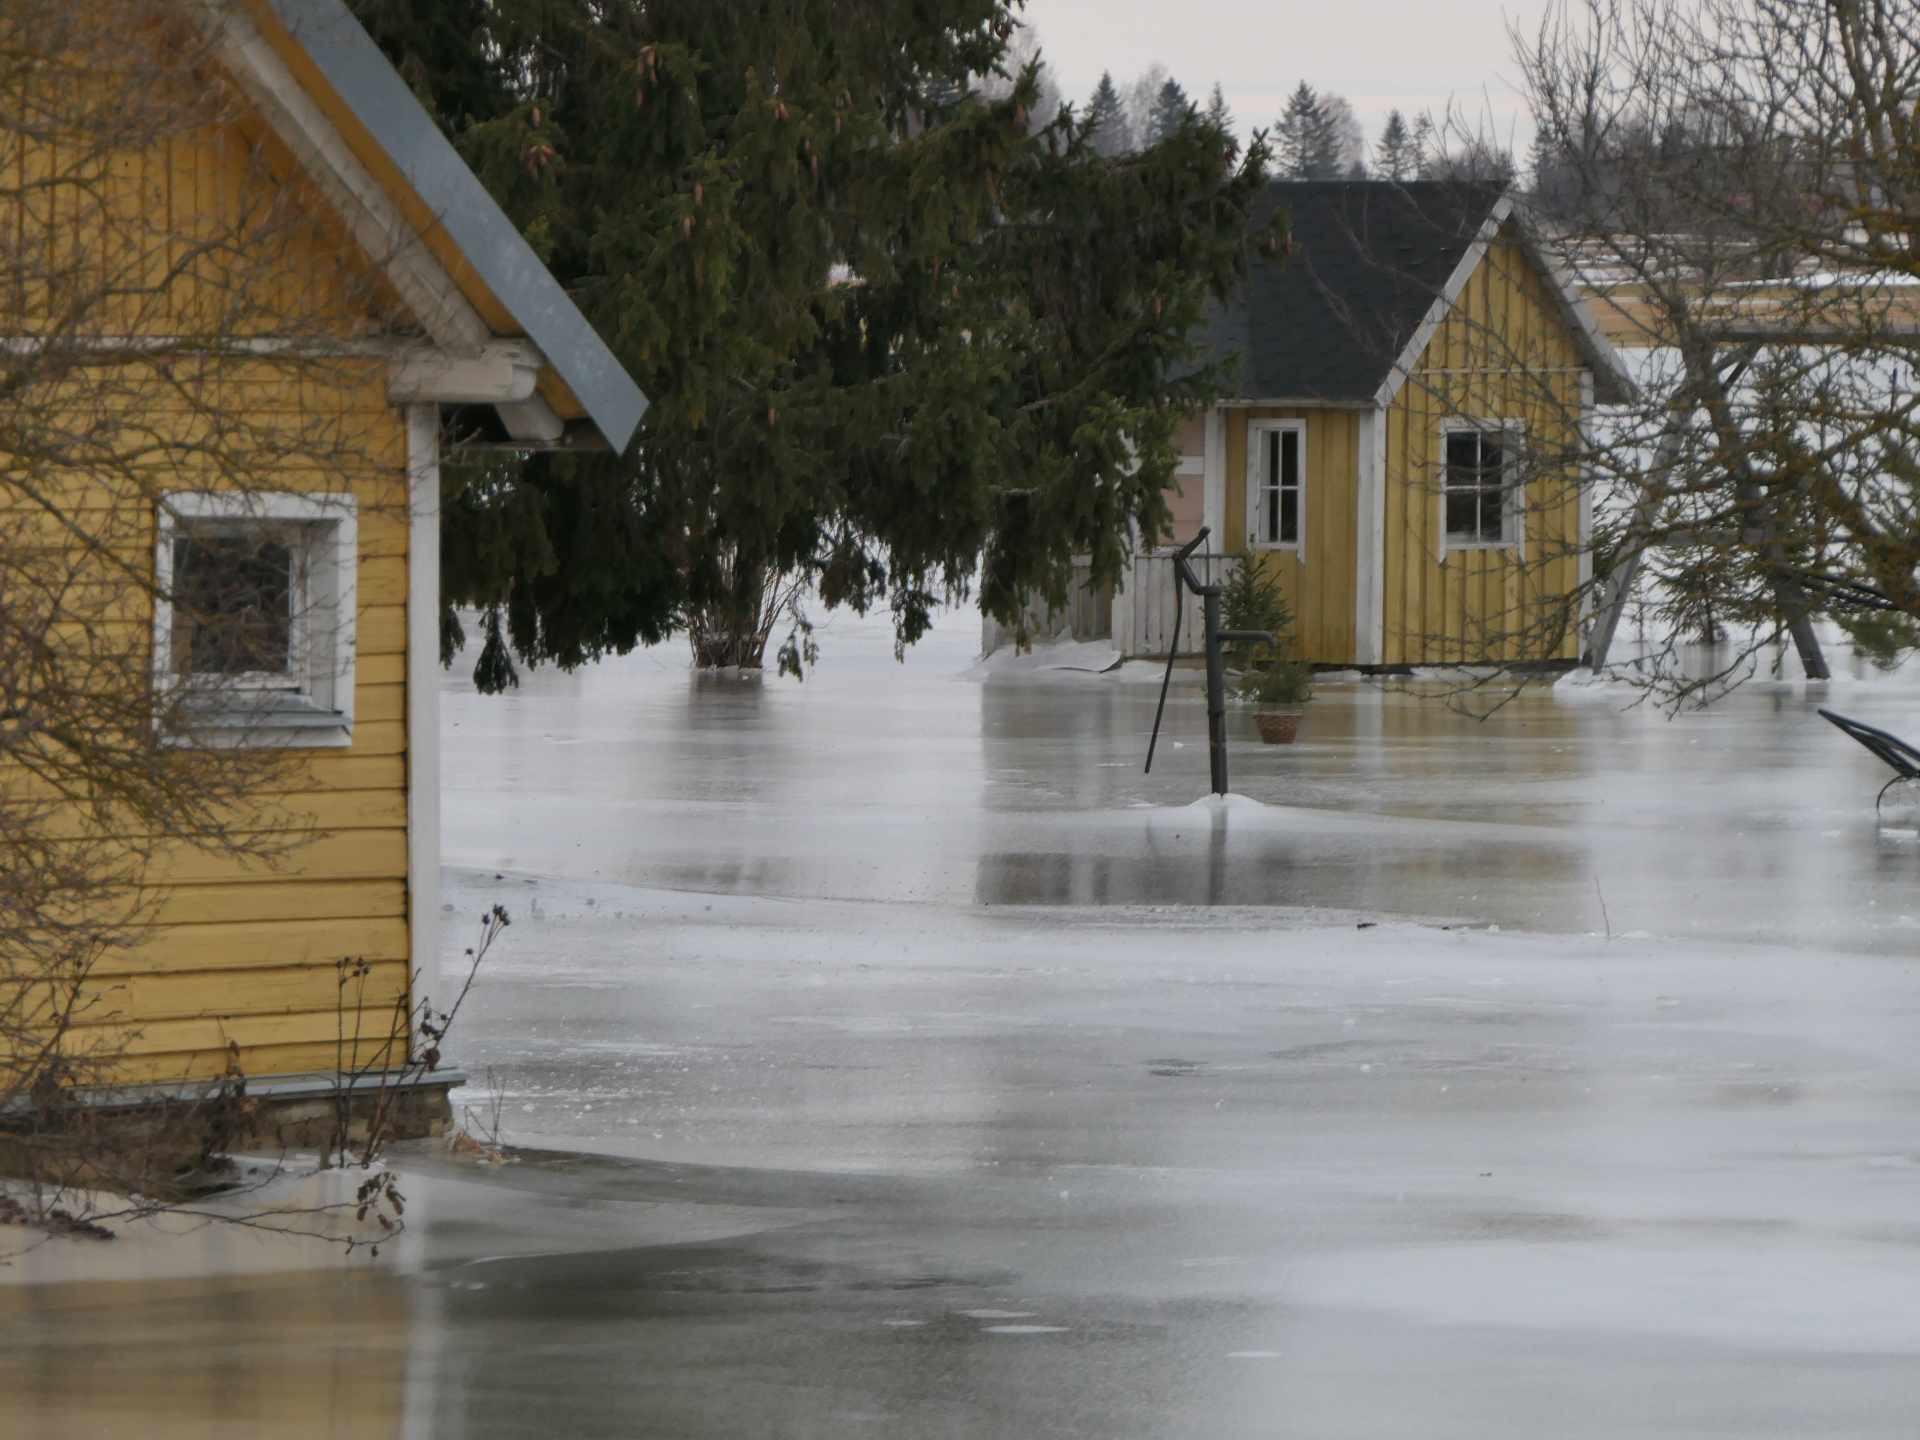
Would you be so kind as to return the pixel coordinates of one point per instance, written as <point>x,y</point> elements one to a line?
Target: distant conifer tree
<point>1168,113</point>
<point>1108,118</point>
<point>1394,157</point>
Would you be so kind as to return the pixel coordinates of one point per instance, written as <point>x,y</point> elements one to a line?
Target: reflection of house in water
<point>335,1355</point>
<point>1350,823</point>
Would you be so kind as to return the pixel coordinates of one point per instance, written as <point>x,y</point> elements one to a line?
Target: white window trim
<point>1257,430</point>
<point>1515,506</point>
<point>327,722</point>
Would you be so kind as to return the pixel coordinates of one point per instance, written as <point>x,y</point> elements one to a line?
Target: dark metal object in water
<point>1216,667</point>
<point>1903,758</point>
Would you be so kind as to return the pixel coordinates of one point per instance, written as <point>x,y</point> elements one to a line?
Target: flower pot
<point>1277,727</point>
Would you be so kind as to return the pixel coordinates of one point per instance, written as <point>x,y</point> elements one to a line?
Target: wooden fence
<point>1139,620</point>
<point>1152,593</point>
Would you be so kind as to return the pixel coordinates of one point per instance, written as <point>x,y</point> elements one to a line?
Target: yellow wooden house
<point>311,201</point>
<point>1396,382</point>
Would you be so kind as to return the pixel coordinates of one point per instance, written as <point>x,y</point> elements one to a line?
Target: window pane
<point>1463,514</point>
<point>233,598</point>
<point>1463,457</point>
<point>1290,517</point>
<point>1493,500</point>
<point>1290,457</point>
<point>1492,504</point>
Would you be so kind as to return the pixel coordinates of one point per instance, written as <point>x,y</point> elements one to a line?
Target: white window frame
<point>312,705</point>
<point>1513,510</point>
<point>1257,432</point>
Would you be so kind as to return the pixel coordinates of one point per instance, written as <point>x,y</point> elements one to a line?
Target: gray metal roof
<point>370,87</point>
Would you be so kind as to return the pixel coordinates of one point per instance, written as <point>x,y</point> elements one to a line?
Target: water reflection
<point>874,781</point>
<point>304,1354</point>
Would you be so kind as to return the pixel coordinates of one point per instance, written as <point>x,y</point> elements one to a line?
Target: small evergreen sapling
<point>1277,684</point>
<point>1251,599</point>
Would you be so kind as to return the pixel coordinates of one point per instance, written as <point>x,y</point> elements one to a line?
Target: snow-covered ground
<point>1549,1075</point>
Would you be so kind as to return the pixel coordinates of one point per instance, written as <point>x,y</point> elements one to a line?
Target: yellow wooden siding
<point>281,900</point>
<point>244,953</point>
<point>1319,582</point>
<point>209,221</point>
<point>1503,353</point>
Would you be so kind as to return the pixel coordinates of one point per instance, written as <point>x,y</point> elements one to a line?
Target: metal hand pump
<point>1209,595</point>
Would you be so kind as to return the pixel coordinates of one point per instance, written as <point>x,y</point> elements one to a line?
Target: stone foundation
<point>160,1140</point>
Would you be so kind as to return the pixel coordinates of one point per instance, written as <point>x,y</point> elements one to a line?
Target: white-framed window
<point>254,621</point>
<point>1480,491</point>
<point>1276,484</point>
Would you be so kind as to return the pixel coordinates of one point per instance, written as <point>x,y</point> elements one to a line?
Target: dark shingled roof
<point>1368,260</point>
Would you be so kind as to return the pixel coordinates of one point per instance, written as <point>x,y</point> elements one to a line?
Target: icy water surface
<point>881,782</point>
<point>949,1078</point>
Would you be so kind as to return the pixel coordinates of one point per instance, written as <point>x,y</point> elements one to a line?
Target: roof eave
<point>367,86</point>
<point>1612,385</point>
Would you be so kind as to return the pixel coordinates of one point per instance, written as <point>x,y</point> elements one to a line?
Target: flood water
<point>899,1060</point>
<point>875,781</point>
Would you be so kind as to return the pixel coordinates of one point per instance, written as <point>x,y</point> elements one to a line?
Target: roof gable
<point>491,283</point>
<point>1373,268</point>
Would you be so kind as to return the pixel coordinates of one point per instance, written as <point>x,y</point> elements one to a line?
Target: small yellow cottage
<point>1389,378</point>
<point>316,290</point>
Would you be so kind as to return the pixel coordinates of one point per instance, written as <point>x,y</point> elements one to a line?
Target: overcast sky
<point>1414,54</point>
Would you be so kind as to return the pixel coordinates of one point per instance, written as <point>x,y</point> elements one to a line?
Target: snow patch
<point>1583,684</point>
<point>1228,804</point>
<point>1093,657</point>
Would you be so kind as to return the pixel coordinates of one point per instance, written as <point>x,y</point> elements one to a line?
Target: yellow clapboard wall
<point>1503,353</point>
<point>209,228</point>
<point>1319,579</point>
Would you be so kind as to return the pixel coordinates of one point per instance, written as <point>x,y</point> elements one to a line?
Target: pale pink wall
<point>1186,494</point>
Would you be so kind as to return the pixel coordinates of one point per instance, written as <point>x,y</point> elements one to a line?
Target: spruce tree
<point>1340,146</point>
<point>1393,156</point>
<point>1171,109</point>
<point>896,343</point>
<point>1107,118</point>
<point>1218,115</point>
<point>1221,118</point>
<point>1300,135</point>
<point>1423,148</point>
